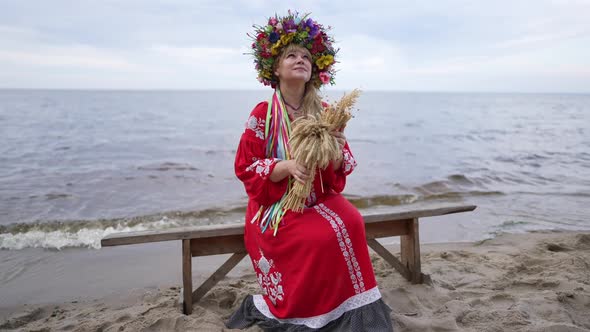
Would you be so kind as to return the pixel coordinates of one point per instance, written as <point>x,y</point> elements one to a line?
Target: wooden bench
<point>229,239</point>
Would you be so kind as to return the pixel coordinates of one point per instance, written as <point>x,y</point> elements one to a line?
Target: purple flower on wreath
<point>289,26</point>
<point>313,31</point>
<point>273,37</point>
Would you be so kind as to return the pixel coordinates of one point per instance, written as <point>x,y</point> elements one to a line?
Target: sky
<point>445,45</point>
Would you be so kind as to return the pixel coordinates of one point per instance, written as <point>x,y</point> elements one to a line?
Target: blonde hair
<point>312,101</point>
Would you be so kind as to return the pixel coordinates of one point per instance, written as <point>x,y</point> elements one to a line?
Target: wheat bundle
<point>313,146</point>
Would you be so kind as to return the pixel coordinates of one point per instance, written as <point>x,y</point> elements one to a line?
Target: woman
<point>313,267</point>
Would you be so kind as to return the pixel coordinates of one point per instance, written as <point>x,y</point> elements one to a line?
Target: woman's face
<point>294,65</point>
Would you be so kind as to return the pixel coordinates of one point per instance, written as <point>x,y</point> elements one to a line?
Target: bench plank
<point>197,232</point>
<point>182,233</point>
<point>219,245</point>
<point>381,229</point>
<point>412,214</point>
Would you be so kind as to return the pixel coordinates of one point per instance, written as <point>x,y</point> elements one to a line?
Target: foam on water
<point>84,237</point>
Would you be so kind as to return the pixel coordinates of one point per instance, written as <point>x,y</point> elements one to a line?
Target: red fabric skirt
<point>316,267</point>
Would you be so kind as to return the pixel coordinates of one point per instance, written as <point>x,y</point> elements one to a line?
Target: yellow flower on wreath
<point>266,74</point>
<point>324,61</point>
<point>283,41</point>
<point>286,39</point>
<point>274,49</point>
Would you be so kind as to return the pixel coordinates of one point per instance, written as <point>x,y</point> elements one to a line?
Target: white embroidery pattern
<point>315,322</point>
<point>256,125</point>
<point>349,162</point>
<point>270,282</point>
<point>348,242</point>
<point>261,166</point>
<point>354,270</point>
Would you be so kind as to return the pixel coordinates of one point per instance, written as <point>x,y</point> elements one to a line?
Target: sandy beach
<point>514,282</point>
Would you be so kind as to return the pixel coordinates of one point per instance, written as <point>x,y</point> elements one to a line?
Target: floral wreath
<point>269,41</point>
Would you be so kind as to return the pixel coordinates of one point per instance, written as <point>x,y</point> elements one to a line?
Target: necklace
<point>293,108</point>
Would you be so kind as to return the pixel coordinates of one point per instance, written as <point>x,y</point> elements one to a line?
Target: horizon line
<point>269,89</point>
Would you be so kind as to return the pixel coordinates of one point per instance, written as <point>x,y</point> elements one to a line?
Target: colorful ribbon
<point>276,131</point>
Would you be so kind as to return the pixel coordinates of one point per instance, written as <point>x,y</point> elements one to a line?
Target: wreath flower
<point>269,41</point>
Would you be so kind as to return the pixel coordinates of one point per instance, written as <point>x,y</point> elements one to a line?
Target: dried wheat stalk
<point>313,146</point>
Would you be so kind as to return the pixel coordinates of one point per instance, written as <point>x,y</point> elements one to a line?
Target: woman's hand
<point>285,168</point>
<point>297,171</point>
<point>340,139</point>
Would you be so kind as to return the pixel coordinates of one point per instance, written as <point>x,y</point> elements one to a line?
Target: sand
<point>515,282</point>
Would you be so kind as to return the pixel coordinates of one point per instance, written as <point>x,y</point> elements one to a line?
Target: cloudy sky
<point>447,45</point>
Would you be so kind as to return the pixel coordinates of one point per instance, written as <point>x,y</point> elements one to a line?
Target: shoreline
<point>538,281</point>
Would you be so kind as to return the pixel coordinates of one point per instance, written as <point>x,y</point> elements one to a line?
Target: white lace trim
<point>345,244</point>
<point>315,322</point>
<point>256,125</point>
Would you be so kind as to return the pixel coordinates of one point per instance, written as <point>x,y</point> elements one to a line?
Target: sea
<point>76,166</point>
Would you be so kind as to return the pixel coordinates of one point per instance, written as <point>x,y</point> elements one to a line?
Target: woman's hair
<point>312,102</point>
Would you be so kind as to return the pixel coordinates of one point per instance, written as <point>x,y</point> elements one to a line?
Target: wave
<point>381,200</point>
<point>168,166</point>
<point>567,194</point>
<point>59,239</point>
<point>404,199</point>
<point>59,234</point>
<point>512,224</point>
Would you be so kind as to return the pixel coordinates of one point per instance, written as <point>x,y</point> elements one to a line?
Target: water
<point>78,165</point>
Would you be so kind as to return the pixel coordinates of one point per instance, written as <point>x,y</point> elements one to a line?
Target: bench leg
<point>187,277</point>
<point>217,276</point>
<point>410,252</point>
<point>389,257</point>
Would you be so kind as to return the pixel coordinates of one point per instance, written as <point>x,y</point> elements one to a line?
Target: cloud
<point>420,45</point>
<point>538,39</point>
<point>364,59</point>
<point>199,54</point>
<point>206,66</point>
<point>77,56</point>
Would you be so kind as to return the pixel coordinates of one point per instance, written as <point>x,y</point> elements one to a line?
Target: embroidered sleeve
<point>336,179</point>
<point>256,125</point>
<point>348,163</point>
<point>262,167</point>
<point>251,165</point>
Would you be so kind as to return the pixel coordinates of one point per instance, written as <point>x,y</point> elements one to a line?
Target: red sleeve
<point>336,179</point>
<point>251,165</point>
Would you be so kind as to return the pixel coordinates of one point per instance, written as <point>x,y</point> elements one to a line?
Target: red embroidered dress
<point>317,266</point>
